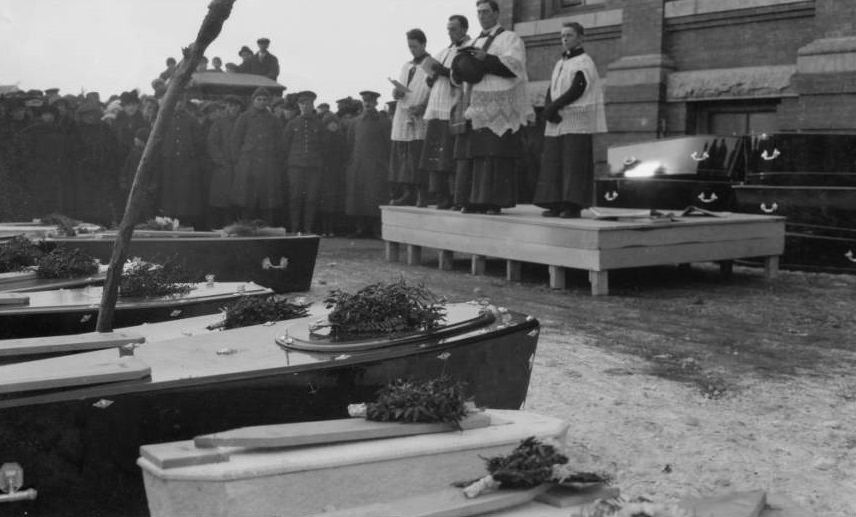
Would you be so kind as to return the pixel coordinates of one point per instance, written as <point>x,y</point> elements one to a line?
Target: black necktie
<point>484,34</point>
<point>410,74</point>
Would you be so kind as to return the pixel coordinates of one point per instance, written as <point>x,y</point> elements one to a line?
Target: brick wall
<point>835,18</point>
<point>541,58</point>
<point>737,45</point>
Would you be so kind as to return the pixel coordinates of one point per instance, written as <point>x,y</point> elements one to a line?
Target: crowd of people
<point>460,134</point>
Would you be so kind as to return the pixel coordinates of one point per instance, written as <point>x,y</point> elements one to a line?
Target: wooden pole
<point>218,13</point>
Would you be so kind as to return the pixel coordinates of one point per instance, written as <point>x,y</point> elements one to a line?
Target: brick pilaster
<point>636,83</point>
<point>826,73</point>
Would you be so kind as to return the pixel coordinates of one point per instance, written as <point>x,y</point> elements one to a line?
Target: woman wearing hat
<point>246,55</point>
<point>46,158</point>
<point>93,188</point>
<point>181,181</point>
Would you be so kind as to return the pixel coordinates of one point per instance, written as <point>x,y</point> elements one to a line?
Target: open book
<point>398,86</point>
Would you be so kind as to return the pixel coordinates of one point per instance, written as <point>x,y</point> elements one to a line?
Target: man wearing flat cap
<point>257,189</point>
<point>305,145</point>
<point>366,177</point>
<point>219,144</point>
<point>265,63</point>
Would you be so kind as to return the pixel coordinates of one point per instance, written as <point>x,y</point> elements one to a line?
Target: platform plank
<point>521,224</point>
<point>522,235</point>
<point>67,344</point>
<point>499,248</point>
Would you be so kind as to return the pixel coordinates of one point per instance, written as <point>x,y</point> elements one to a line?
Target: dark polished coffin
<point>808,178</point>
<point>77,437</point>
<point>75,311</point>
<point>283,263</point>
<point>672,173</point>
<point>811,180</point>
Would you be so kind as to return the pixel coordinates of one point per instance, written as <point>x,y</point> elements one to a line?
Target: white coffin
<point>309,480</point>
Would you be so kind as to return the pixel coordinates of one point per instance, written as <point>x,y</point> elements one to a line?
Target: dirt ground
<point>681,382</point>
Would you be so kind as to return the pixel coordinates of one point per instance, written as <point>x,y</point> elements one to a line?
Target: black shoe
<point>550,213</point>
<point>493,211</point>
<point>570,213</point>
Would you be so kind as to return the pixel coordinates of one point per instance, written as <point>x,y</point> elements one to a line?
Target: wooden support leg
<point>478,264</point>
<point>392,251</point>
<point>513,270</point>
<point>557,277</point>
<point>414,255</point>
<point>726,267</point>
<point>445,259</point>
<point>771,267</point>
<point>599,282</point>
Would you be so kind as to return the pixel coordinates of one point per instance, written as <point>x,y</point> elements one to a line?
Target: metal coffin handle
<point>700,157</point>
<point>267,264</point>
<point>611,195</point>
<point>704,199</point>
<point>850,256</point>
<point>11,481</point>
<point>769,210</point>
<point>772,156</point>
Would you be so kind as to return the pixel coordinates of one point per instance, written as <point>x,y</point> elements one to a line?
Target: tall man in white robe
<point>499,107</point>
<point>408,125</point>
<point>574,110</point>
<point>438,153</point>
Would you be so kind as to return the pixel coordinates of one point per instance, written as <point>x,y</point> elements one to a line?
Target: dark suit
<point>267,65</point>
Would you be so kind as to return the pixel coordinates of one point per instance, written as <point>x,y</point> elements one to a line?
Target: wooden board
<point>77,370</point>
<point>16,276</point>
<point>90,297</point>
<point>564,497</point>
<point>737,504</point>
<point>14,299</point>
<point>450,502</point>
<point>182,454</point>
<point>328,431</point>
<point>67,344</point>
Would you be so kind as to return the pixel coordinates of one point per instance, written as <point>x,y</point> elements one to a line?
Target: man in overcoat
<point>257,189</point>
<point>265,63</point>
<point>366,176</point>
<point>219,143</point>
<point>181,182</point>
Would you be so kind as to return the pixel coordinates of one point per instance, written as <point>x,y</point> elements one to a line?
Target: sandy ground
<point>790,432</point>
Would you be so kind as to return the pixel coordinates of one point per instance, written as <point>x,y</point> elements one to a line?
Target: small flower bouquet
<point>160,223</point>
<point>141,279</point>
<point>437,400</point>
<point>256,310</point>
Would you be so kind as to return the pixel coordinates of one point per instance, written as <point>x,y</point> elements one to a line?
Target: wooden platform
<point>626,240</point>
